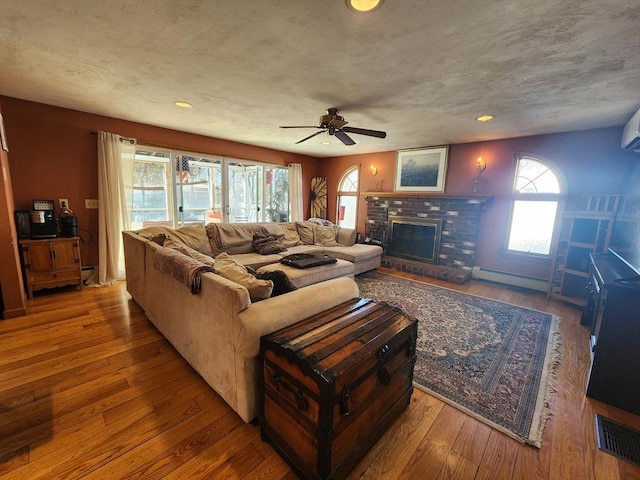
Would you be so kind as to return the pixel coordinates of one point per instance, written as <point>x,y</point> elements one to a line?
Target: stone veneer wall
<point>460,221</point>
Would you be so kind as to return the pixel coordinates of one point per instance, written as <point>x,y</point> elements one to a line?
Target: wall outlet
<point>63,202</point>
<point>91,203</point>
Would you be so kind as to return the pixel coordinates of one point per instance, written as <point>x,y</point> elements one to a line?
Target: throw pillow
<point>291,236</point>
<point>228,268</point>
<point>266,244</point>
<point>305,230</point>
<point>325,235</point>
<point>281,283</point>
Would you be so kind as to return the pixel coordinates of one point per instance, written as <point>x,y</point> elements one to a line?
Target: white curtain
<point>295,191</point>
<point>116,156</point>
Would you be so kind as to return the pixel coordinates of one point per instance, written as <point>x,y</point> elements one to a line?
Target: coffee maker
<point>42,220</point>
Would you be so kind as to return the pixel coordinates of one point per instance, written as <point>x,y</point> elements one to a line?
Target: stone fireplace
<point>433,236</point>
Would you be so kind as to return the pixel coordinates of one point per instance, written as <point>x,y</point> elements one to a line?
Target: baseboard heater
<point>523,281</point>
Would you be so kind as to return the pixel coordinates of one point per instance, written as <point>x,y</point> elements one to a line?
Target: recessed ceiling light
<point>484,118</point>
<point>362,6</point>
<point>326,143</point>
<point>183,104</point>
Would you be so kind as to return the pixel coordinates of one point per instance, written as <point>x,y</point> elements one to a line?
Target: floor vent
<point>618,439</point>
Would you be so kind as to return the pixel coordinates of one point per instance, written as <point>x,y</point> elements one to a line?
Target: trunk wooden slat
<point>333,383</point>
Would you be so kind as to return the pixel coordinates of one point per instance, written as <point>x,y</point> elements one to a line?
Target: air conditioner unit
<point>631,134</point>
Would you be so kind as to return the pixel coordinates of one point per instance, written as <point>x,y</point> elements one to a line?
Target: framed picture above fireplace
<point>421,169</point>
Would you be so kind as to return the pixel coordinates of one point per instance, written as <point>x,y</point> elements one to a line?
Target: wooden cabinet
<point>612,310</point>
<point>585,229</point>
<point>51,263</point>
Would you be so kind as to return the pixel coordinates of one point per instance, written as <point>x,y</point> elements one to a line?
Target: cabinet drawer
<point>49,278</point>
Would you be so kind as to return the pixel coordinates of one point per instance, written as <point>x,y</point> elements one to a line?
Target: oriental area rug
<point>492,360</point>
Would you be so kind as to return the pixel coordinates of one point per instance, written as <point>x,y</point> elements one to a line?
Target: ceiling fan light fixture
<point>182,104</point>
<point>484,118</point>
<point>363,6</point>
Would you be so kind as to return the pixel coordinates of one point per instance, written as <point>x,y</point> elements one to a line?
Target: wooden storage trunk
<point>333,383</point>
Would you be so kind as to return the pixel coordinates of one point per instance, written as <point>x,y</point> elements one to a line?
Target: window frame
<point>559,198</point>
<point>348,193</point>
<point>174,184</point>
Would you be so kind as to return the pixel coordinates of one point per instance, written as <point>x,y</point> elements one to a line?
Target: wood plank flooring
<point>89,389</point>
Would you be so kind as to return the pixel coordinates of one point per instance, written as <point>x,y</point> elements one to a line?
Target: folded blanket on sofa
<point>185,269</point>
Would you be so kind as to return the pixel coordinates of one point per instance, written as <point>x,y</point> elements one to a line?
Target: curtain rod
<point>122,139</point>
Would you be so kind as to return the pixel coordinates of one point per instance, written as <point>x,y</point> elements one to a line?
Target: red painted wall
<point>590,161</point>
<point>54,155</point>
<point>13,294</point>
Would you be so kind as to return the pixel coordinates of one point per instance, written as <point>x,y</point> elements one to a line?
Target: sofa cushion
<point>298,249</point>
<point>267,244</point>
<point>291,236</point>
<point>325,235</point>
<point>190,252</point>
<point>281,283</point>
<point>228,268</point>
<point>305,231</point>
<point>255,260</point>
<point>301,277</point>
<point>238,237</point>
<point>155,234</point>
<point>355,253</point>
<point>193,236</point>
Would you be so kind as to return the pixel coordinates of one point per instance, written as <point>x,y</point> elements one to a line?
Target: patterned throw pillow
<point>305,231</point>
<point>266,244</point>
<point>325,236</point>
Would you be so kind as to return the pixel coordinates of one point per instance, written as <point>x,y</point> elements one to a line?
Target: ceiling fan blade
<point>364,131</point>
<point>344,138</point>
<point>311,136</point>
<point>301,126</point>
<point>337,122</point>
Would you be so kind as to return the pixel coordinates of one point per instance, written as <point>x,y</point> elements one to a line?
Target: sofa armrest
<point>346,236</point>
<point>134,259</point>
<point>274,313</point>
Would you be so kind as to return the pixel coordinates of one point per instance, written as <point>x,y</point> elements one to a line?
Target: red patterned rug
<point>492,360</point>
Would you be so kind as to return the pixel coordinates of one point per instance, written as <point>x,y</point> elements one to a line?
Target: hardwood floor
<point>89,389</point>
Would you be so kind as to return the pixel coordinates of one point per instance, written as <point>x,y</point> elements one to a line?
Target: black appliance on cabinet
<point>42,220</point>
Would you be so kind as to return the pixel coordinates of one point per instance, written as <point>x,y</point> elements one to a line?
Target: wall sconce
<point>374,170</point>
<point>481,165</point>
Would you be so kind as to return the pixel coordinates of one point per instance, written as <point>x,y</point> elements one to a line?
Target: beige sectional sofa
<point>218,330</point>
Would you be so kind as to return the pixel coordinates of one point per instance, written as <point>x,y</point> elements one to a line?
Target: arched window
<point>348,198</point>
<point>537,192</point>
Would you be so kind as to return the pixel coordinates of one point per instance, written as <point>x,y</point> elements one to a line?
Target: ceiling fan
<point>335,125</point>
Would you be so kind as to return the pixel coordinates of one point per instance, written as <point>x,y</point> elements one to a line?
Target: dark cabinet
<point>612,311</point>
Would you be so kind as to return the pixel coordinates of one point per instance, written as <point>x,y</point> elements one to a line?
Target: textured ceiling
<point>420,70</point>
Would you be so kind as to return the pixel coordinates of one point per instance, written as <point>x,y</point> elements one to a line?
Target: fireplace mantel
<point>443,196</point>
